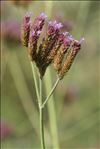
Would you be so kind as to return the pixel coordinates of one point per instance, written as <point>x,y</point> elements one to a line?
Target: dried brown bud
<point>34,36</point>
<point>70,58</point>
<point>32,47</point>
<point>47,44</point>
<point>25,29</point>
<point>58,59</point>
<point>56,47</point>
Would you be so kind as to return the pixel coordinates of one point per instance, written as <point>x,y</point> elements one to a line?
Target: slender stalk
<point>41,118</point>
<point>42,128</point>
<point>39,97</point>
<point>51,92</point>
<point>48,86</point>
<point>51,111</point>
<point>35,81</point>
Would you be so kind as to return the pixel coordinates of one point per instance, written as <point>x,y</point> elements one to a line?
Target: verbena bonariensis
<point>56,47</point>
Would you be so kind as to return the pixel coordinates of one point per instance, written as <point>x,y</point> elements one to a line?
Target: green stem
<point>42,128</point>
<point>41,118</point>
<point>51,92</point>
<point>48,86</point>
<point>51,111</point>
<point>35,81</point>
<point>39,96</point>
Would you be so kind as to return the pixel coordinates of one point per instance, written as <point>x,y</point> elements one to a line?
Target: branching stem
<point>40,104</point>
<point>51,92</point>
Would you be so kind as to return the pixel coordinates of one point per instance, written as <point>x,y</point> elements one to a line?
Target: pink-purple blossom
<point>53,46</point>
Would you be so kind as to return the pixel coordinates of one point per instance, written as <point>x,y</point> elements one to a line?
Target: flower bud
<point>32,47</point>
<point>34,35</point>
<point>58,59</point>
<point>70,58</point>
<point>25,29</point>
<point>56,47</point>
<point>39,22</point>
<point>47,44</point>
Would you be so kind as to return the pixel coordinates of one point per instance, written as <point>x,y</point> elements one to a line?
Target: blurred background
<point>76,99</point>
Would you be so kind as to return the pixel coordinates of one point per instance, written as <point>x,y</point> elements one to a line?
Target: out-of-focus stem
<point>48,86</point>
<point>41,117</point>
<point>51,110</point>
<point>23,91</point>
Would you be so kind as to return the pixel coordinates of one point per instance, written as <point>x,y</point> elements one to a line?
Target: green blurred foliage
<point>77,96</point>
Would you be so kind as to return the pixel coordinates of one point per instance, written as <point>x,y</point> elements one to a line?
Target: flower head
<point>57,47</point>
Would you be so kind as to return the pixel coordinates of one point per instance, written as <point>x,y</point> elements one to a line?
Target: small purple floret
<point>27,17</point>
<point>67,42</point>
<point>66,33</point>
<point>33,33</point>
<point>42,15</point>
<point>55,24</point>
<point>38,33</point>
<point>58,26</point>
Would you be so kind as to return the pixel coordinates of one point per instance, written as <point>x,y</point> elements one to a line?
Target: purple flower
<point>5,130</point>
<point>53,27</point>
<point>67,41</point>
<point>25,31</point>
<point>67,24</point>
<point>42,16</point>
<point>54,46</point>
<point>39,22</point>
<point>27,17</point>
<point>10,30</point>
<point>62,37</point>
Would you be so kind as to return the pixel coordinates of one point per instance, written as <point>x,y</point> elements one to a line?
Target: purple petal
<point>42,15</point>
<point>58,26</point>
<point>66,33</point>
<point>38,32</point>
<point>33,33</point>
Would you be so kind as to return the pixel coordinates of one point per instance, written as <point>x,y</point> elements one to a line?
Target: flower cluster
<point>56,47</point>
<point>10,30</point>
